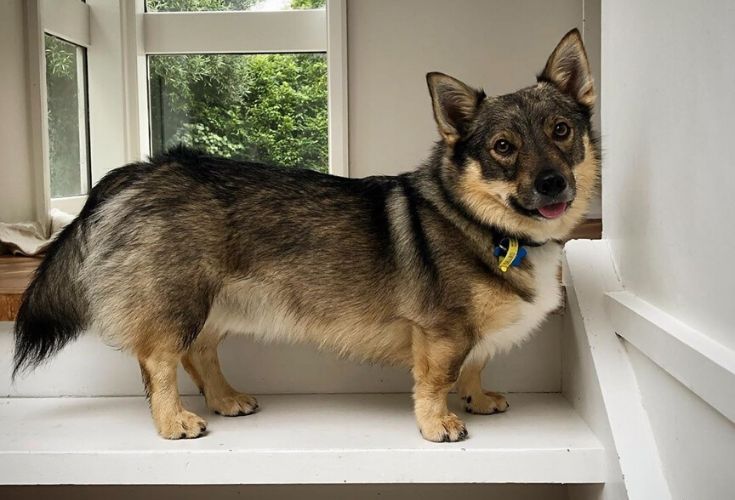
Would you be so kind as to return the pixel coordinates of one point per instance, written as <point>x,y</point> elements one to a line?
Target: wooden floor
<point>15,274</point>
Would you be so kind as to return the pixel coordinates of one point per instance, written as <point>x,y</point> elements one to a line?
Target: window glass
<point>270,108</point>
<point>67,117</point>
<point>241,5</point>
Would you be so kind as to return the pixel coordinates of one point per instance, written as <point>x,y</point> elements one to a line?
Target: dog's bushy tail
<point>55,307</point>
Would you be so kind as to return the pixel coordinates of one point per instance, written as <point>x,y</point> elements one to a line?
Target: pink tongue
<point>553,211</point>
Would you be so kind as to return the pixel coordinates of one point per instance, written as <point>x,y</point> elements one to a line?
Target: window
<point>263,80</point>
<point>66,96</point>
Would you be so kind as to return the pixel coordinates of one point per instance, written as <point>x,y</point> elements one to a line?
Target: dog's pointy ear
<point>455,104</point>
<point>569,70</point>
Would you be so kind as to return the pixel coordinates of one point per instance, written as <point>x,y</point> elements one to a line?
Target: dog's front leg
<point>437,360</point>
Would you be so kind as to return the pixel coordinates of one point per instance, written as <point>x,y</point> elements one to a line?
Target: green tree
<point>203,5</point>
<point>197,5</point>
<point>265,107</point>
<point>308,4</point>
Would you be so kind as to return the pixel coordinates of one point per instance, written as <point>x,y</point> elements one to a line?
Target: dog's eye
<point>561,131</point>
<point>503,147</point>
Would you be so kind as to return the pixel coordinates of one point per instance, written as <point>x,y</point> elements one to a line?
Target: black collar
<point>523,241</point>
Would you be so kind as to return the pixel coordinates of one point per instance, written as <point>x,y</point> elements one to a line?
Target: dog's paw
<point>485,403</point>
<point>445,429</point>
<point>182,425</point>
<point>233,405</point>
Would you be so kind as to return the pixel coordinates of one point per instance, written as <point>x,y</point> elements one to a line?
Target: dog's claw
<point>233,405</point>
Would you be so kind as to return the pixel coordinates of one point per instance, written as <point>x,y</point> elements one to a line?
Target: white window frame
<point>119,35</point>
<point>68,20</point>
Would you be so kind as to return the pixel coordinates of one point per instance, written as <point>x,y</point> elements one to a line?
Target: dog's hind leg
<point>158,368</point>
<point>470,390</point>
<point>202,363</point>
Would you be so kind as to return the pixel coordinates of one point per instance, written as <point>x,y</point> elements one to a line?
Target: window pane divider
<point>337,87</point>
<point>82,117</point>
<point>69,204</point>
<point>38,110</point>
<point>235,32</point>
<point>67,19</point>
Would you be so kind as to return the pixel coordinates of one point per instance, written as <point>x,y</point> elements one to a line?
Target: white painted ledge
<point>305,439</point>
<point>699,362</point>
<point>589,269</point>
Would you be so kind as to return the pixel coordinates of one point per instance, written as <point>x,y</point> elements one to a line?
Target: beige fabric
<point>30,238</point>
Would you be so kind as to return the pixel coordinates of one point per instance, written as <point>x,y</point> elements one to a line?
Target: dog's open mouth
<point>554,210</point>
<point>550,211</point>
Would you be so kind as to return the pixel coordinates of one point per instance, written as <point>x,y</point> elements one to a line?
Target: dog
<point>436,269</point>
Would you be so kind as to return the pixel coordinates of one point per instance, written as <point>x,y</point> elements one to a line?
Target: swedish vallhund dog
<point>435,269</point>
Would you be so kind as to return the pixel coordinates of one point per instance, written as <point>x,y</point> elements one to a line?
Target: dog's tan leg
<point>436,365</point>
<point>202,363</point>
<point>470,390</point>
<point>159,376</point>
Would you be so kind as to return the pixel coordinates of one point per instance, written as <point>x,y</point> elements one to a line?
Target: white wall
<point>668,176</point>
<point>497,45</point>
<point>669,171</point>
<point>696,443</point>
<point>16,174</point>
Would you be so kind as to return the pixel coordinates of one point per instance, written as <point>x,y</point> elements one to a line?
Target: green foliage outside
<point>204,5</point>
<point>265,107</point>
<point>197,5</point>
<point>307,4</point>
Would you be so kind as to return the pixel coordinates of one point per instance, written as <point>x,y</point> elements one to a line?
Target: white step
<point>294,439</point>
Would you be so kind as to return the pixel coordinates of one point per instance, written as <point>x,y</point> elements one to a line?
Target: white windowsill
<point>297,439</point>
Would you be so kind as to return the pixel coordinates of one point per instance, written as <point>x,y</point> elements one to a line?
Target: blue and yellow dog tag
<point>509,253</point>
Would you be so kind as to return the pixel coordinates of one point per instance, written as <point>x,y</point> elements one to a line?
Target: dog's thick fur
<point>169,256</point>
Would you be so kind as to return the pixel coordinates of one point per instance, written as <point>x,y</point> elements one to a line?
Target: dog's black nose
<point>550,183</point>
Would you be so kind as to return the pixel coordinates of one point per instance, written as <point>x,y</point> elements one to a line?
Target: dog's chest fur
<point>528,315</point>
